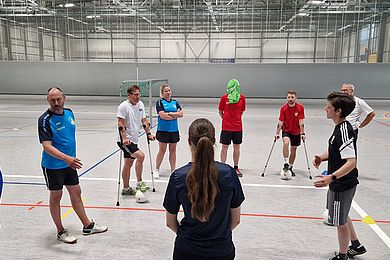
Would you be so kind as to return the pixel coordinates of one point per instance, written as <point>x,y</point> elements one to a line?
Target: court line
<point>163,210</point>
<point>160,181</point>
<point>39,202</point>
<point>383,123</point>
<point>86,171</point>
<point>69,211</point>
<point>382,235</point>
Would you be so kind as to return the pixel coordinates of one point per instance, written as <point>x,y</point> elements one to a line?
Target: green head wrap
<point>233,90</point>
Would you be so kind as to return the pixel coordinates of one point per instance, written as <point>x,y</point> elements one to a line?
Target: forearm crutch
<point>307,158</point>
<point>150,155</point>
<point>119,176</point>
<point>269,156</point>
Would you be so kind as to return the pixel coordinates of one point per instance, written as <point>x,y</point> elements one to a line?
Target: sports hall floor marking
<point>163,210</point>
<point>382,235</point>
<point>69,211</point>
<point>158,181</point>
<point>35,205</point>
<point>387,115</point>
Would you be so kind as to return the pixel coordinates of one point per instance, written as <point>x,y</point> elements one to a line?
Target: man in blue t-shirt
<point>56,129</point>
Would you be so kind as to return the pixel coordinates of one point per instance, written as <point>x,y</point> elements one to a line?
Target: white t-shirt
<point>132,116</point>
<point>357,116</point>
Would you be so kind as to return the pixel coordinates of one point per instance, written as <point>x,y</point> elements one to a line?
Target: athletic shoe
<point>94,230</point>
<point>292,173</point>
<point>142,186</point>
<point>354,251</point>
<point>66,237</point>
<point>130,191</point>
<point>239,173</point>
<point>156,174</point>
<point>285,167</point>
<point>337,257</point>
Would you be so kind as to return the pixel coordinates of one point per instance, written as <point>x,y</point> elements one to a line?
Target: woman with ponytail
<point>210,194</point>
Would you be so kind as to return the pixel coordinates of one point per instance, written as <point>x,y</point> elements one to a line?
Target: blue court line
<point>81,174</point>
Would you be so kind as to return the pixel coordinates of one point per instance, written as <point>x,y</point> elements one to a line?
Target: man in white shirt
<point>363,114</point>
<point>131,115</point>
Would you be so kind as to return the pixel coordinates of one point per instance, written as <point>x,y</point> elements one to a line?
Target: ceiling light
<point>69,5</point>
<point>303,14</point>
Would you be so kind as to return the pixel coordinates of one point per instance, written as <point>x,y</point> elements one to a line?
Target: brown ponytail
<point>202,178</point>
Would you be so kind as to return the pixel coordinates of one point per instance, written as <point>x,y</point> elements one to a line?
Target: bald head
<point>348,88</point>
<point>56,100</point>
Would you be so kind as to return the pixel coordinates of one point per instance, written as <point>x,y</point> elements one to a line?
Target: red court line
<point>163,210</point>
<point>31,208</point>
<point>383,123</point>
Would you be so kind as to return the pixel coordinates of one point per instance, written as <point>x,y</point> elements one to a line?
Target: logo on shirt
<point>71,120</point>
<point>140,109</point>
<point>59,127</point>
<point>296,114</point>
<point>331,139</point>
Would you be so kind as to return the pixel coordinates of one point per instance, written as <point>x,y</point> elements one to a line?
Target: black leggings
<point>180,255</point>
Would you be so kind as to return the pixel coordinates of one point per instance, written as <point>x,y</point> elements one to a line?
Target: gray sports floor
<point>280,219</point>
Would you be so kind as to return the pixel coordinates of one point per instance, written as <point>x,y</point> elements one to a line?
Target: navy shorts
<point>228,136</point>
<point>294,139</point>
<point>57,178</point>
<point>167,137</point>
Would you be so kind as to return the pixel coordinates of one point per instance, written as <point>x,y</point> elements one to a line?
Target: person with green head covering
<point>231,107</point>
<point>233,90</point>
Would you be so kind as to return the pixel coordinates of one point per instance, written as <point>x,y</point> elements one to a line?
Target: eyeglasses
<point>136,94</point>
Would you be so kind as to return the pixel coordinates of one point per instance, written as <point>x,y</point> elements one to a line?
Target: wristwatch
<point>334,177</point>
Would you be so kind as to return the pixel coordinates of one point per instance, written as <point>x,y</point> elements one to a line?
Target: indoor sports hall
<point>95,50</point>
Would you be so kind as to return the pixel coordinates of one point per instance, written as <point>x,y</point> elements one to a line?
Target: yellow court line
<point>386,115</point>
<point>69,211</point>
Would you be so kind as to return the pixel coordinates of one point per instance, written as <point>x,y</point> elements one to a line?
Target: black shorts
<point>57,178</point>
<point>181,255</point>
<point>167,137</point>
<point>228,136</point>
<point>132,147</point>
<point>294,139</point>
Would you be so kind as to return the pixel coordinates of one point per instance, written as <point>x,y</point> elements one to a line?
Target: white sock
<point>285,160</point>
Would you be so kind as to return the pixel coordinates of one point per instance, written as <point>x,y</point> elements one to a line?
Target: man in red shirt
<point>291,119</point>
<point>231,107</point>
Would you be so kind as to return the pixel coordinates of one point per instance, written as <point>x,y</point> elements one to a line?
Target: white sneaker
<point>156,174</point>
<point>94,230</point>
<point>66,237</point>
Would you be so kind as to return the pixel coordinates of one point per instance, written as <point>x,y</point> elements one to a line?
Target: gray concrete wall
<point>196,80</point>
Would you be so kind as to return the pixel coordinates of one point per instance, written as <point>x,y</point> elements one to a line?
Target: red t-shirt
<point>290,117</point>
<point>231,120</point>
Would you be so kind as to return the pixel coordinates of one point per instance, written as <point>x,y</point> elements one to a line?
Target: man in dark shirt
<point>342,178</point>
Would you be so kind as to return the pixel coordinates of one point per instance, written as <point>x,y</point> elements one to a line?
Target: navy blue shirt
<point>61,131</point>
<point>167,106</point>
<point>212,238</point>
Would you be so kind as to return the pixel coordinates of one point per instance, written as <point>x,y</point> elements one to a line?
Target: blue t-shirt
<point>61,131</point>
<point>214,237</point>
<point>167,106</point>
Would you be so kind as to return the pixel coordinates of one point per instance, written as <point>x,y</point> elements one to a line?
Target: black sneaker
<point>292,173</point>
<point>353,251</point>
<point>285,167</point>
<point>337,257</point>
